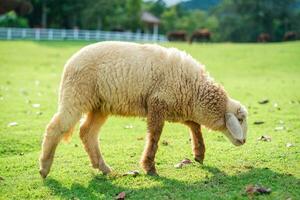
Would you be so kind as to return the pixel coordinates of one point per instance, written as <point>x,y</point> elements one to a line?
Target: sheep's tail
<point>70,113</point>
<point>71,116</point>
<point>72,104</point>
<point>66,107</point>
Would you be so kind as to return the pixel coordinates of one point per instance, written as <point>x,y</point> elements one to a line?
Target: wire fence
<point>76,34</point>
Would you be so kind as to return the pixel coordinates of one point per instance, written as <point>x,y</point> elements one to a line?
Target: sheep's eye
<point>240,120</point>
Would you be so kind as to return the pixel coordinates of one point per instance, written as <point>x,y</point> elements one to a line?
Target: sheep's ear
<point>233,126</point>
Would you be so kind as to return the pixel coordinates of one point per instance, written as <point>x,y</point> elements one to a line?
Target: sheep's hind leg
<point>155,122</point>
<point>197,141</point>
<point>89,136</point>
<point>59,126</point>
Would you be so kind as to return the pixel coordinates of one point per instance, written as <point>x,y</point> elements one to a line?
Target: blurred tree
<point>212,24</point>
<point>118,20</point>
<point>56,13</point>
<point>34,18</point>
<point>169,18</point>
<point>89,14</point>
<point>11,19</point>
<point>295,22</point>
<point>192,21</point>
<point>156,8</point>
<point>101,14</point>
<point>244,20</point>
<point>65,13</point>
<point>20,7</point>
<point>12,12</point>
<point>133,11</point>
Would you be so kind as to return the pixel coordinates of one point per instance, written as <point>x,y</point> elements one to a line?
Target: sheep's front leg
<point>155,122</point>
<point>197,141</point>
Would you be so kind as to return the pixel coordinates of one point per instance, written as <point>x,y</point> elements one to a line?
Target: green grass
<point>30,74</point>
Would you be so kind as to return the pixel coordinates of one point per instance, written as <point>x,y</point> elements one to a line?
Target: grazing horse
<point>290,36</point>
<point>264,37</point>
<point>201,35</point>
<point>177,36</point>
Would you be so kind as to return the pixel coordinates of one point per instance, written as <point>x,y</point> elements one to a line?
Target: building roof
<point>149,18</point>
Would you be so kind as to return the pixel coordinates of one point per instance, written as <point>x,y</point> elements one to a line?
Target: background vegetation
<point>228,20</point>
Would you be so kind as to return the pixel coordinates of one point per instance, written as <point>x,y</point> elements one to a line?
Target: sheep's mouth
<point>239,142</point>
<point>234,141</point>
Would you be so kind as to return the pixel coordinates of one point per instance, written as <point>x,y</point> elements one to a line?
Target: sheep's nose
<point>242,141</point>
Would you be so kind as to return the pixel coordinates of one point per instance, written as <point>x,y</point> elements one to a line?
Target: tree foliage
<point>133,10</point>
<point>244,20</point>
<point>12,20</point>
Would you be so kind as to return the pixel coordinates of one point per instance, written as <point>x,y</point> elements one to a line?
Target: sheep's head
<point>219,112</point>
<point>236,122</point>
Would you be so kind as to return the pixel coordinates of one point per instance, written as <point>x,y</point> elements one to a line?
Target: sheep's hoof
<point>152,172</point>
<point>199,160</point>
<point>43,173</point>
<point>106,170</point>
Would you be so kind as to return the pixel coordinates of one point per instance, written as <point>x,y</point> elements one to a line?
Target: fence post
<point>128,36</point>
<point>75,34</point>
<point>50,34</point>
<point>24,33</point>
<point>37,34</point>
<point>155,32</point>
<point>63,34</point>
<point>147,37</point>
<point>138,35</point>
<point>87,36</point>
<point>106,35</point>
<point>8,34</point>
<point>97,35</point>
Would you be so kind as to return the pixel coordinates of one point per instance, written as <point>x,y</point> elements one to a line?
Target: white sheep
<point>144,80</point>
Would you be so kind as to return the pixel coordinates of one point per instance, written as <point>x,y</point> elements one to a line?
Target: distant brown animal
<point>264,37</point>
<point>177,36</point>
<point>201,35</point>
<point>289,36</point>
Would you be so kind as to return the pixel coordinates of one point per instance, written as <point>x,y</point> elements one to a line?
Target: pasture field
<point>29,78</point>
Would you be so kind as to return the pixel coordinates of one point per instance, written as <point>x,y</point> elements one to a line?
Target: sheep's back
<point>123,76</point>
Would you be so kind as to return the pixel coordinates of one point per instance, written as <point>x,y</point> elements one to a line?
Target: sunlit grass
<point>30,74</point>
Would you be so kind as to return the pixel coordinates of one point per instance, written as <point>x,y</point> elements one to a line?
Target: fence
<point>75,34</point>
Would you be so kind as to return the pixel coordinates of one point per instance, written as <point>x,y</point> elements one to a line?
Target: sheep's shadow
<point>219,186</point>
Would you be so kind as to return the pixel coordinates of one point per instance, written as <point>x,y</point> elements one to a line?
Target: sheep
<point>141,80</point>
